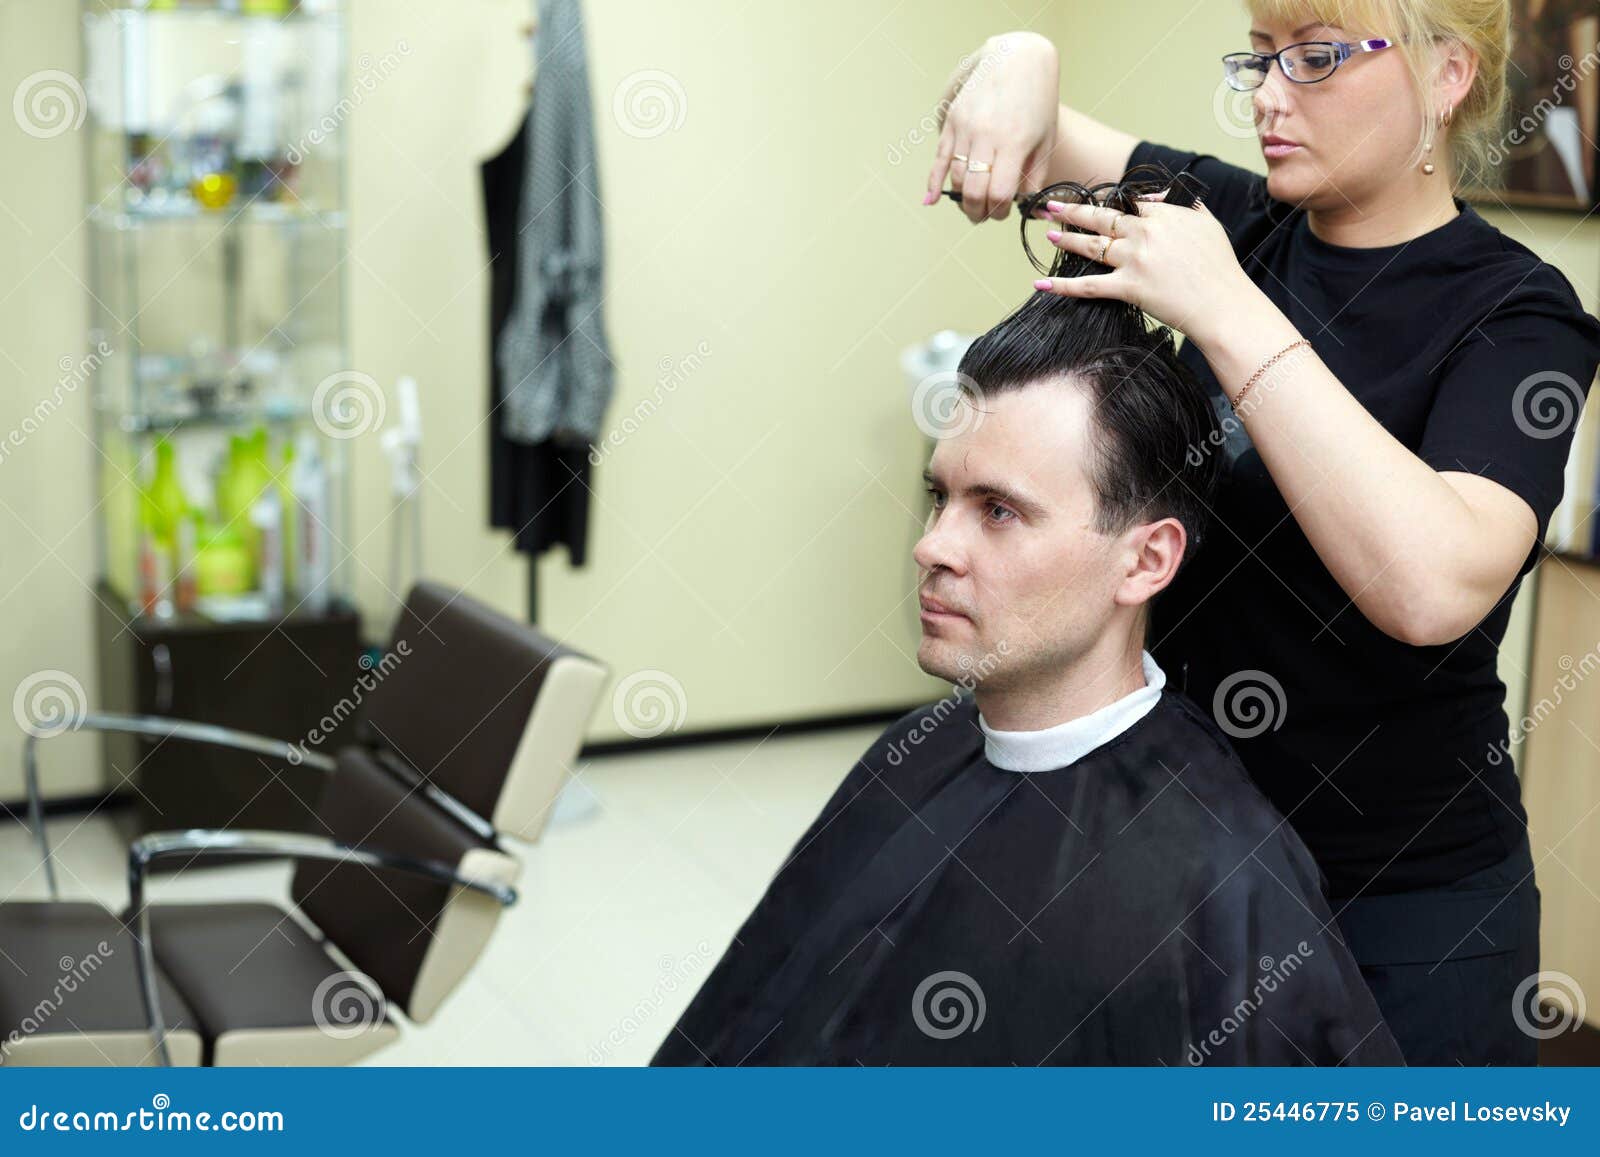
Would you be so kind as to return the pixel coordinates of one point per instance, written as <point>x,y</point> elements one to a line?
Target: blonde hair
<point>1478,122</point>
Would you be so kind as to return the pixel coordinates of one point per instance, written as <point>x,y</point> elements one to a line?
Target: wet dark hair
<point>1155,439</point>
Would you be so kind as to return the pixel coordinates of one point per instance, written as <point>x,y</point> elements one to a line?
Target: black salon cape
<point>1143,905</point>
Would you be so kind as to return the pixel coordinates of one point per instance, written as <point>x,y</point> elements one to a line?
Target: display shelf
<point>215,176</point>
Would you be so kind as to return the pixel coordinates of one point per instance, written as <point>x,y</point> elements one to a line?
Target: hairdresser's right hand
<point>1002,106</point>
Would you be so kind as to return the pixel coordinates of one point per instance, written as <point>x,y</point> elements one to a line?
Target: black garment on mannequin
<point>541,492</point>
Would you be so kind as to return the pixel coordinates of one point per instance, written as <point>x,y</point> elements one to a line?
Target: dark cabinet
<point>280,679</point>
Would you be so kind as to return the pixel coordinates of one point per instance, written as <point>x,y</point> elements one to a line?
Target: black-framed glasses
<point>1304,63</point>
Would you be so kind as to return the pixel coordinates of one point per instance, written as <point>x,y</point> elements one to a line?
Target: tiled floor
<point>623,910</point>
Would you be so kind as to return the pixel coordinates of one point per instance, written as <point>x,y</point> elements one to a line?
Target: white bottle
<point>308,481</point>
<point>267,517</point>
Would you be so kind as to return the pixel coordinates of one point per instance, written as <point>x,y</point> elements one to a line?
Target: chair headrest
<point>491,710</point>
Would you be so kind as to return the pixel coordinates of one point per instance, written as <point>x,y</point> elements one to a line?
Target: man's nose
<point>938,547</point>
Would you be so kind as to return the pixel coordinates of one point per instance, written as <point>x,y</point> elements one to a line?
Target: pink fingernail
<point>929,198</point>
<point>1053,234</point>
<point>1042,283</point>
<point>1055,206</point>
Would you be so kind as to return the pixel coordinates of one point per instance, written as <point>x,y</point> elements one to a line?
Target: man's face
<point>1014,577</point>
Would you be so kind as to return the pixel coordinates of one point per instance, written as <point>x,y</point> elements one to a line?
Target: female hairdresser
<point>1398,384</point>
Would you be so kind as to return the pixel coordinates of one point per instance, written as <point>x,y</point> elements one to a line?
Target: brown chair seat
<point>69,991</point>
<point>263,991</point>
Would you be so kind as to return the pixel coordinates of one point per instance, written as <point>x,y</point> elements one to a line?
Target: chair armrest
<point>156,727</point>
<point>261,845</point>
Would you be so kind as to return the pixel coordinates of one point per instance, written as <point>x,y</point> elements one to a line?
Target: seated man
<point>1070,864</point>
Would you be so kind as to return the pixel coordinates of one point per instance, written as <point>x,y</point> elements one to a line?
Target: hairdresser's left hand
<point>1174,262</point>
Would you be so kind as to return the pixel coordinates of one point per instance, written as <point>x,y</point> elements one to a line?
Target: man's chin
<point>939,658</point>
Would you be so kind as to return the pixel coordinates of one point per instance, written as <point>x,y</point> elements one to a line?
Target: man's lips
<point>932,606</point>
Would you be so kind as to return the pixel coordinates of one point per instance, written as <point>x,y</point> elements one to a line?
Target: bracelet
<point>1265,366</point>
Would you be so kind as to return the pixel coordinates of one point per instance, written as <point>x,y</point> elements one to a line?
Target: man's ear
<point>1157,552</point>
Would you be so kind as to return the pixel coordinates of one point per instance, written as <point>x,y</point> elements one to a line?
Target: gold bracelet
<point>1265,366</point>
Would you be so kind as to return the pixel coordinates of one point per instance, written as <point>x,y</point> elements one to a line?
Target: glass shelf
<point>305,12</point>
<point>186,209</point>
<point>159,421</point>
<point>218,234</point>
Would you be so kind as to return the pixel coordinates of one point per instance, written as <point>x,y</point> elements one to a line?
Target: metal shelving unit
<point>217,241</point>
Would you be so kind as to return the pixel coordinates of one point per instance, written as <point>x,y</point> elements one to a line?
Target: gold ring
<point>1114,221</point>
<point>978,166</point>
<point>1104,246</point>
<point>962,157</point>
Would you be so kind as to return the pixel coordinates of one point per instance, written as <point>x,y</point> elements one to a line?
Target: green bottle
<point>230,501</point>
<point>155,557</point>
<point>244,476</point>
<point>168,505</point>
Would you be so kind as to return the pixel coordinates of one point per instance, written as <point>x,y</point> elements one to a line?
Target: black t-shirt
<point>1381,754</point>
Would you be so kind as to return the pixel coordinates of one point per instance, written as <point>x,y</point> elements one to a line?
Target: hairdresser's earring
<point>1444,119</point>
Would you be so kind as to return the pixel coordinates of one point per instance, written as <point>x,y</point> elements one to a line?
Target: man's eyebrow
<point>981,488</point>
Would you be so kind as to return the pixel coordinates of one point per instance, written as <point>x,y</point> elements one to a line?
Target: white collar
<point>1054,747</point>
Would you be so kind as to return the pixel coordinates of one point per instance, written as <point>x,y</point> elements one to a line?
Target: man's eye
<point>1004,510</point>
<point>936,495</point>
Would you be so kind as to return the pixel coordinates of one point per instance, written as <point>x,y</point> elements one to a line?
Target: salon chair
<point>469,736</point>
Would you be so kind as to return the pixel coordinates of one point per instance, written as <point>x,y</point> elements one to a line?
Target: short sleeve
<point>1510,395</point>
<point>1233,194</point>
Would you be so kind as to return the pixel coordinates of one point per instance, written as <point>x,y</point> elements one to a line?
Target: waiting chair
<point>469,735</point>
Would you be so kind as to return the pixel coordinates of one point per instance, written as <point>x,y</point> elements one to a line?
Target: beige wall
<point>751,539</point>
<point>46,528</point>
